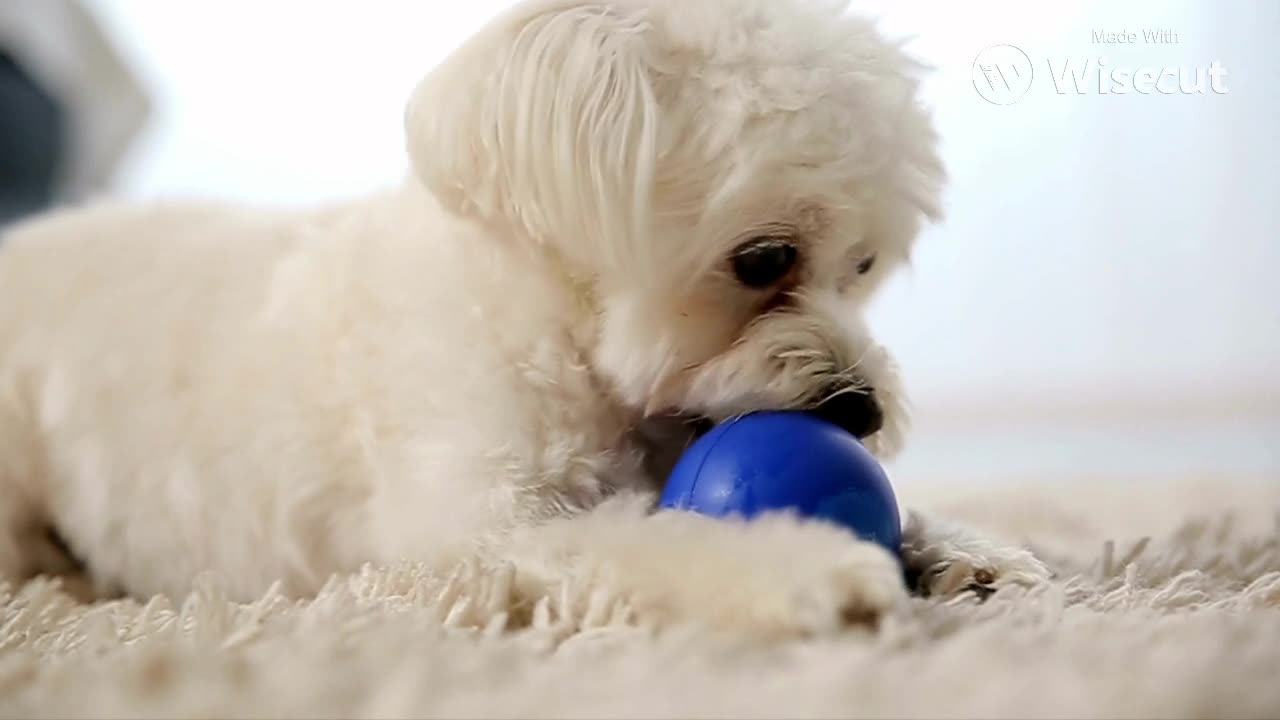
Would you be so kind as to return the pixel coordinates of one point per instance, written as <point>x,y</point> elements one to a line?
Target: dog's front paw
<point>948,575</point>
<point>856,586</point>
<point>775,576</point>
<point>945,560</point>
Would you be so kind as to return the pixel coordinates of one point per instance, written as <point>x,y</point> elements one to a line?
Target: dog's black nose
<point>856,410</point>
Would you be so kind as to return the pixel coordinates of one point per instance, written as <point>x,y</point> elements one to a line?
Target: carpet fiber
<point>1167,605</point>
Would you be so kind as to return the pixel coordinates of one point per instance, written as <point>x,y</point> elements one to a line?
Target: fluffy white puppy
<point>622,210</point>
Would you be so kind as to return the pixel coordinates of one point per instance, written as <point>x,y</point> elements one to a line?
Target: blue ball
<point>786,460</point>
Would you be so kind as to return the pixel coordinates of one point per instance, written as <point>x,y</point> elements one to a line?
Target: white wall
<point>280,101</point>
<point>1106,255</point>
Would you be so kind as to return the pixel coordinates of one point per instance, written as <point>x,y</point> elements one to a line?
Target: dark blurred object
<point>70,106</point>
<point>32,142</point>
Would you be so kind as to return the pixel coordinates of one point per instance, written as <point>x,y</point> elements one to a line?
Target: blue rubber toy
<point>786,460</point>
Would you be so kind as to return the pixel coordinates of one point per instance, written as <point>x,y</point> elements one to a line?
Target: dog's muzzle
<point>856,410</point>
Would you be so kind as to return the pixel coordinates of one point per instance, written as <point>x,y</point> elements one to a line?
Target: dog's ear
<point>545,122</point>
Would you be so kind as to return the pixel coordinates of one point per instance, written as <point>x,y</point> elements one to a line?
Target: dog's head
<point>727,182</point>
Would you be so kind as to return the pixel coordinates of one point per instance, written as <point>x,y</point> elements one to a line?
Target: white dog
<point>622,211</point>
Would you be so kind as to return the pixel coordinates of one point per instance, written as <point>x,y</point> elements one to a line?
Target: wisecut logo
<point>1002,75</point>
<point>1101,77</point>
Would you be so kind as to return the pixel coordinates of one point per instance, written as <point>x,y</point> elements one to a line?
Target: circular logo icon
<point>1002,74</point>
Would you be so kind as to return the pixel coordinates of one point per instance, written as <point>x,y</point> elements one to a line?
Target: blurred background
<point>1099,302</point>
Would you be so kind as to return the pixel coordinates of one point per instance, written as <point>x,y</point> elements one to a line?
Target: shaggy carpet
<point>1167,604</point>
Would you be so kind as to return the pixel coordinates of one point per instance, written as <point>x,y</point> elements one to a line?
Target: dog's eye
<point>865,264</point>
<point>764,262</point>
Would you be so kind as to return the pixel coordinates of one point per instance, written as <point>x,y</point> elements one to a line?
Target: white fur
<point>459,367</point>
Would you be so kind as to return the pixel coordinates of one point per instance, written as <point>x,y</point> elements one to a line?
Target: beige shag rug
<point>1167,605</point>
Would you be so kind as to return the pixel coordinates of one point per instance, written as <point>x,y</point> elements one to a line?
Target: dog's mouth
<point>665,437</point>
<point>698,425</point>
<point>857,411</point>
